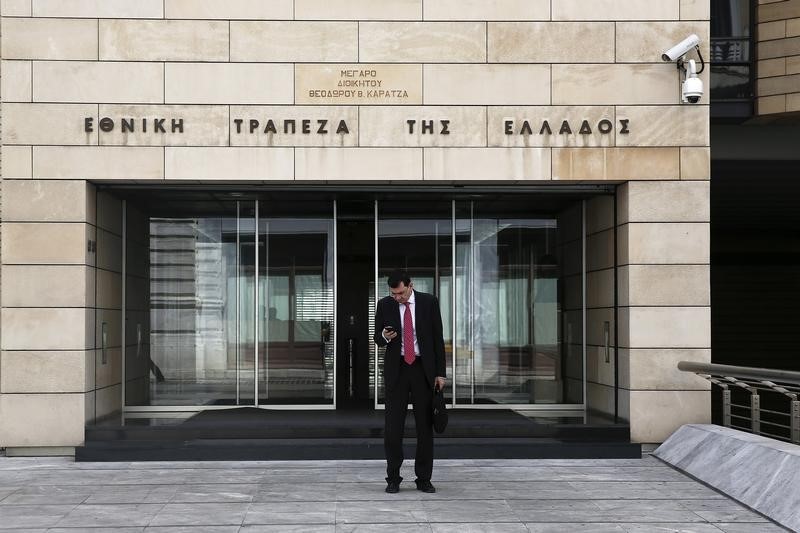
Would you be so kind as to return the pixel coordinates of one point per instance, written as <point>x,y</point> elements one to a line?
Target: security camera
<point>681,49</point>
<point>692,87</point>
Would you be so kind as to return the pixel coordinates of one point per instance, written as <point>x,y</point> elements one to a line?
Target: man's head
<point>400,286</point>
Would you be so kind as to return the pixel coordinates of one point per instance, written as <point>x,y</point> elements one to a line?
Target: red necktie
<point>408,336</point>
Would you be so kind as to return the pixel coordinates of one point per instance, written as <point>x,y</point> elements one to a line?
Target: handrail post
<point>726,407</point>
<point>795,421</point>
<point>755,411</point>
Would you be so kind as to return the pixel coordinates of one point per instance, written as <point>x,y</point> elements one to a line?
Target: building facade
<point>201,201</point>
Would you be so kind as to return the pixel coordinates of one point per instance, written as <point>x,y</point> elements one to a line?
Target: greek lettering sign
<point>359,84</point>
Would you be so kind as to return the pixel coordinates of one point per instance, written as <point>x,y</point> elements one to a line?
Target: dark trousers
<point>411,381</point>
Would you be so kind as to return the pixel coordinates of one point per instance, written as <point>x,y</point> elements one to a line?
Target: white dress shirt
<point>411,303</point>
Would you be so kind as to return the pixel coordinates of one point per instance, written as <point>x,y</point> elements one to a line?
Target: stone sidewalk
<point>58,495</point>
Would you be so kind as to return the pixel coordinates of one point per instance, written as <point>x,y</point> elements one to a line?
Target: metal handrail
<point>754,381</point>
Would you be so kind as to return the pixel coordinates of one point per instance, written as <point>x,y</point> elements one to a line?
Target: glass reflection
<point>197,353</point>
<point>509,304</point>
<point>296,292</point>
<point>416,237</point>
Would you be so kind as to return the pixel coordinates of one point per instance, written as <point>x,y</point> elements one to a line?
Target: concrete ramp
<point>762,473</point>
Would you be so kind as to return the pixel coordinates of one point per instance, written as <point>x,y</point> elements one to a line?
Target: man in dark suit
<point>409,324</point>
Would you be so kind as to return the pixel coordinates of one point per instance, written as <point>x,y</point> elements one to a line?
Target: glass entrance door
<point>508,277</point>
<point>296,293</point>
<point>229,303</point>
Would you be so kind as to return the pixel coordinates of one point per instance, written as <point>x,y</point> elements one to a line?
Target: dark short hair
<point>396,277</point>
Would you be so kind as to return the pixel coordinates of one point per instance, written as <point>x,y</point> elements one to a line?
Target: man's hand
<point>389,334</point>
<point>440,381</point>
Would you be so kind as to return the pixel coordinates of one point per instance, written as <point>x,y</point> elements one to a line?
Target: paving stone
<point>22,516</point>
<point>750,528</point>
<point>479,528</point>
<point>388,528</point>
<point>290,528</point>
<point>97,530</point>
<point>574,527</point>
<point>108,494</point>
<point>380,512</point>
<point>291,513</point>
<point>200,514</point>
<point>117,515</point>
<point>51,495</point>
<point>191,529</point>
<point>214,493</point>
<point>663,528</point>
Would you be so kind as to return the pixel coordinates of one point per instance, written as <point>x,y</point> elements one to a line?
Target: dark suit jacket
<point>429,336</point>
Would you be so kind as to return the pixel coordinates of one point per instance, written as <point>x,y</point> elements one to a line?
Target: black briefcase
<point>439,411</point>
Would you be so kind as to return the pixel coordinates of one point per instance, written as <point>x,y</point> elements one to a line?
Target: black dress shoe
<point>426,486</point>
<point>392,487</point>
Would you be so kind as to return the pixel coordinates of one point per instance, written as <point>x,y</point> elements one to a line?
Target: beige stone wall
<point>601,344</point>
<point>663,234</point>
<point>778,53</point>
<point>48,299</point>
<point>220,66</point>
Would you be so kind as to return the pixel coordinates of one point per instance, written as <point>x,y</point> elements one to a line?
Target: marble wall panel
<point>236,163</point>
<point>616,10</point>
<point>657,369</point>
<point>352,164</point>
<point>668,285</point>
<point>665,125</point>
<point>42,372</point>
<point>644,42</point>
<point>45,38</point>
<point>656,414</point>
<point>46,201</point>
<point>690,201</point>
<point>695,163</point>
<point>35,328</point>
<point>167,40</point>
<point>15,8</point>
<point>228,83</point>
<point>358,10</point>
<point>22,124</point>
<point>551,42</point>
<point>98,162</point>
<point>228,10</point>
<point>42,419</point>
<point>615,84</point>
<point>17,161</point>
<point>77,81</point>
<point>46,285</point>
<point>98,8</point>
<point>487,164</point>
<point>665,327</point>
<point>425,42</point>
<point>487,84</point>
<point>664,243</point>
<point>294,41</point>
<point>616,164</point>
<point>46,243</point>
<point>487,10</point>
<point>16,82</point>
<point>695,9</point>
